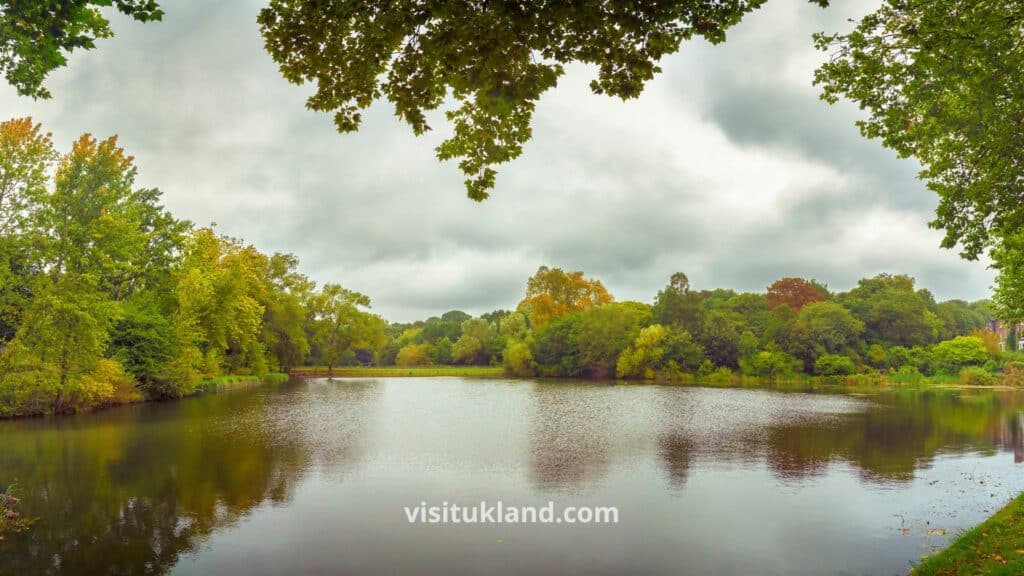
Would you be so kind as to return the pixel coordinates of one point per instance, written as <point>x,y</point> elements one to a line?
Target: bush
<point>107,384</point>
<point>722,375</point>
<point>951,356</point>
<point>1013,373</point>
<point>974,376</point>
<point>907,374</point>
<point>518,360</point>
<point>644,356</point>
<point>770,365</point>
<point>27,386</point>
<point>834,365</point>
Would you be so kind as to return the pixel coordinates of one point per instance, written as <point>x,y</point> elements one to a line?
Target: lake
<point>313,477</point>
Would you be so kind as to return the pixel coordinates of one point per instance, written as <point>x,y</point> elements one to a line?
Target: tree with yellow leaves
<point>552,293</point>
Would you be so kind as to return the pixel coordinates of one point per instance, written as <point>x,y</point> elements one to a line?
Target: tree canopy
<point>37,36</point>
<point>493,59</point>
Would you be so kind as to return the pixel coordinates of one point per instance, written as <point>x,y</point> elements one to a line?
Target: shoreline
<point>226,383</point>
<point>996,546</point>
<point>806,383</point>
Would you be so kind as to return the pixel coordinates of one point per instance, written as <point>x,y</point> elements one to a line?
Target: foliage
<point>892,311</point>
<point>830,326</point>
<point>795,293</point>
<point>37,37</point>
<point>834,365</point>
<point>339,324</point>
<point>552,293</point>
<point>474,346</point>
<point>413,355</point>
<point>937,80</point>
<point>493,59</point>
<point>645,355</point>
<point>677,305</point>
<point>105,297</point>
<point>951,356</point>
<point>658,350</point>
<point>977,376</point>
<point>770,364</point>
<point>518,359</point>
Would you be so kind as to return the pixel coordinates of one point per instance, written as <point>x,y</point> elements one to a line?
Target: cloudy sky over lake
<point>728,168</point>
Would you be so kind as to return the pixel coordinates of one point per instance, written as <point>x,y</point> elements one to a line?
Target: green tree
<point>893,312</point>
<point>681,351</point>
<point>603,332</point>
<point>720,339</point>
<point>474,346</point>
<point>940,81</point>
<point>143,341</point>
<point>67,327</point>
<point>770,364</point>
<point>37,37</point>
<point>951,356</point>
<point>26,156</point>
<point>285,309</point>
<point>442,352</point>
<point>340,324</point>
<point>218,314</point>
<point>677,305</point>
<point>645,355</point>
<point>518,359</point>
<point>830,326</point>
<point>834,365</point>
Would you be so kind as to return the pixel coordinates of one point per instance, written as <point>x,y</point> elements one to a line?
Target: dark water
<point>312,478</point>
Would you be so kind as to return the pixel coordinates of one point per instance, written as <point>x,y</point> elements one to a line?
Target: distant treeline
<point>569,325</point>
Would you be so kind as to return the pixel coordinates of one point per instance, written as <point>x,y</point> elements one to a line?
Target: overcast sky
<point>728,168</point>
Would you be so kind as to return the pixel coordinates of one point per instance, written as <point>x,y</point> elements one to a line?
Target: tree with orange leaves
<point>795,293</point>
<point>552,292</point>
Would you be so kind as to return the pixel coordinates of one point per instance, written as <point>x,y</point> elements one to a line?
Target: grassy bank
<point>234,382</point>
<point>394,371</point>
<point>995,547</point>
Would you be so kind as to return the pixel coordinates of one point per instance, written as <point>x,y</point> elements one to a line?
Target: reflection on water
<point>282,478</point>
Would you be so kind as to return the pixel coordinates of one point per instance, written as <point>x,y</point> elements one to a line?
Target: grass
<point>995,547</point>
<point>395,371</point>
<point>230,382</point>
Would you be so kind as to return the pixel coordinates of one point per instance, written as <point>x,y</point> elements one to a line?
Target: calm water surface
<point>312,478</point>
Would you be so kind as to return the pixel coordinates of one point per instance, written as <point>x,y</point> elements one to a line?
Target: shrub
<point>907,374</point>
<point>644,356</point>
<point>770,365</point>
<point>722,375</point>
<point>876,355</point>
<point>974,376</point>
<point>518,360</point>
<point>834,365</point>
<point>951,356</point>
<point>27,386</point>
<point>1013,373</point>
